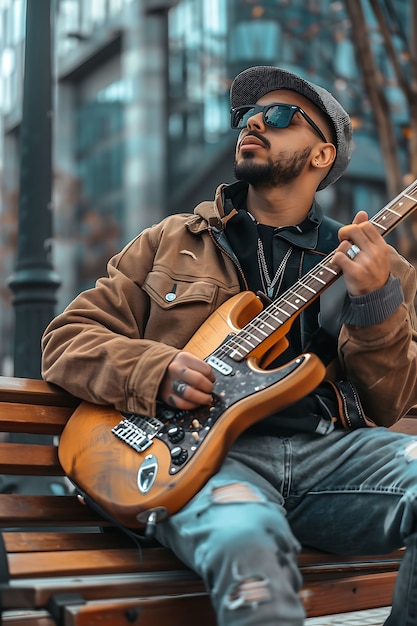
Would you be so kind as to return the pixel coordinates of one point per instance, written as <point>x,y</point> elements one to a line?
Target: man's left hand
<point>362,256</point>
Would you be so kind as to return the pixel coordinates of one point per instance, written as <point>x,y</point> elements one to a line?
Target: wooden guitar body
<point>188,446</point>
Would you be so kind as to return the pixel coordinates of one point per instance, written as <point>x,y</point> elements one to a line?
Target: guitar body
<point>132,466</point>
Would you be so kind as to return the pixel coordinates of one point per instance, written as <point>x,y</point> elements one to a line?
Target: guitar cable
<point>148,538</point>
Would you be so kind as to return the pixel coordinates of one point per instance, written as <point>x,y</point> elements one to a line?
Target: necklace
<point>268,285</point>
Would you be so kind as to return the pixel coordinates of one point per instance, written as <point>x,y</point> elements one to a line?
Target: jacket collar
<point>229,199</point>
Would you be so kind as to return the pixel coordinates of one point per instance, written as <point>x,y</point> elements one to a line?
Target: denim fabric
<point>344,492</point>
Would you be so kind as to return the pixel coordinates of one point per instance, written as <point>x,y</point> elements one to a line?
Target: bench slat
<point>53,541</point>
<point>36,593</point>
<point>326,597</point>
<point>356,593</point>
<point>109,560</point>
<point>315,559</point>
<point>155,558</point>
<point>38,419</point>
<point>73,563</point>
<point>31,391</point>
<point>339,596</point>
<point>34,511</point>
<point>38,460</point>
<point>27,618</point>
<point>150,611</point>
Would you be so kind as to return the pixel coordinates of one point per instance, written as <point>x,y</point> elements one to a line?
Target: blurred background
<point>115,113</point>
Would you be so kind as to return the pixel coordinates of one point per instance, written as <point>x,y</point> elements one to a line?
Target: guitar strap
<point>328,310</point>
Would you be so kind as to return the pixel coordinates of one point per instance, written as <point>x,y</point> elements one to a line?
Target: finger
<point>366,238</point>
<point>191,364</point>
<point>188,382</point>
<point>353,251</point>
<point>183,396</point>
<point>179,388</point>
<point>192,378</point>
<point>198,380</point>
<point>360,217</point>
<point>347,231</point>
<point>364,270</point>
<point>190,394</point>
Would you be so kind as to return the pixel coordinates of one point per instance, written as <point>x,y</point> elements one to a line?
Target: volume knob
<point>175,434</point>
<point>179,455</point>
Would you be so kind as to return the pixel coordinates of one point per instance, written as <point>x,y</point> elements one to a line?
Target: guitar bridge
<point>137,431</point>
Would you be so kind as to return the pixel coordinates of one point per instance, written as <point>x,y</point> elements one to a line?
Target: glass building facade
<point>141,115</point>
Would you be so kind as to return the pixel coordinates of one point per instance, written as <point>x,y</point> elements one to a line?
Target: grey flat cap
<point>255,82</point>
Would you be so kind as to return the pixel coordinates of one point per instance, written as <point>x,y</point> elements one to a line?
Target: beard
<point>270,174</point>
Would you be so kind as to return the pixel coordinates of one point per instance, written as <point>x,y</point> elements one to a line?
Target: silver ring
<point>353,251</point>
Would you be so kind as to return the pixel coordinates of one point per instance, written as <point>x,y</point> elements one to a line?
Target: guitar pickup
<point>220,365</point>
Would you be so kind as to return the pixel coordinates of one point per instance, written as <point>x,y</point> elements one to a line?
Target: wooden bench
<point>60,563</point>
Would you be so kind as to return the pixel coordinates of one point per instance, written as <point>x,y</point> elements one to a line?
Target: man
<point>324,471</point>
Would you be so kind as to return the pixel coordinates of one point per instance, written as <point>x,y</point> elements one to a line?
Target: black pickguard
<point>185,431</point>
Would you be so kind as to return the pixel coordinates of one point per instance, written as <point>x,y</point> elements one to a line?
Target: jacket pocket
<point>169,292</point>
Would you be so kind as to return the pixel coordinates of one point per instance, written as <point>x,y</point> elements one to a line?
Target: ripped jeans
<point>346,493</point>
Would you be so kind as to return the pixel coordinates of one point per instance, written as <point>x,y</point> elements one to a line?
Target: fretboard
<point>291,303</point>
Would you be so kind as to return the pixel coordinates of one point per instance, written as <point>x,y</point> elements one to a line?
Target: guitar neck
<point>291,303</point>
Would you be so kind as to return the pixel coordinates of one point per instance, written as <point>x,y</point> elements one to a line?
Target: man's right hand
<point>188,382</point>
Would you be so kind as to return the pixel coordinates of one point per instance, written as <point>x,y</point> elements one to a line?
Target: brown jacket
<point>114,342</point>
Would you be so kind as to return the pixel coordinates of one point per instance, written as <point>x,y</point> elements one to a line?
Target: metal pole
<point>34,283</point>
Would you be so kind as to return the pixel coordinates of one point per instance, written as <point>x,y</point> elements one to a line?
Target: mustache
<point>254,133</point>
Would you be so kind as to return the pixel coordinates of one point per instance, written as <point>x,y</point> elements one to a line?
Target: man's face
<point>267,156</point>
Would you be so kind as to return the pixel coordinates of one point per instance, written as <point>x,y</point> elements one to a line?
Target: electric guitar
<point>138,469</point>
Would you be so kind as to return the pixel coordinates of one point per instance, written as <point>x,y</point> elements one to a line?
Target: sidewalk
<point>374,617</point>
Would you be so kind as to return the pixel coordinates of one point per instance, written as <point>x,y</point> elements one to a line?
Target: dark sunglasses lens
<point>240,116</point>
<point>278,116</point>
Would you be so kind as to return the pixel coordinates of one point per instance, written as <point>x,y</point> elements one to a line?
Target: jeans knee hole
<point>410,451</point>
<point>249,593</point>
<point>235,492</point>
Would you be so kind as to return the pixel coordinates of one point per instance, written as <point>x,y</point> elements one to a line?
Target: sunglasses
<point>277,115</point>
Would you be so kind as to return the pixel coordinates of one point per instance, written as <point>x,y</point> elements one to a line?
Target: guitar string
<point>311,276</point>
<point>282,300</point>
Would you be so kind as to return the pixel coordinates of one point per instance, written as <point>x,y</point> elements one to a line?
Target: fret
<point>279,320</point>
<point>296,298</point>
<point>251,345</point>
<point>395,212</point>
<point>282,311</point>
<point>414,200</point>
<point>317,284</point>
<point>259,324</point>
<point>331,270</point>
<point>236,350</point>
<point>235,354</point>
<point>310,289</point>
<point>242,350</point>
<point>294,306</point>
<point>381,227</point>
<point>265,323</point>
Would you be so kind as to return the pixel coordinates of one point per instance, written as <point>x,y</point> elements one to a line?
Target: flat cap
<point>255,82</point>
